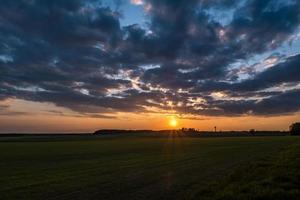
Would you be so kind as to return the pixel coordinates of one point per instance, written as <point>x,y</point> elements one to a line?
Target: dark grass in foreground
<point>78,167</point>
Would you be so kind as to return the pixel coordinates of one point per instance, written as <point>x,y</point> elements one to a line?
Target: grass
<point>79,167</point>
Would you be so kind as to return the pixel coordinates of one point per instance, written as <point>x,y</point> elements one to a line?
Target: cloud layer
<point>188,60</point>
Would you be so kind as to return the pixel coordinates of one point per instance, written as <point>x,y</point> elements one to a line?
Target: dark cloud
<point>76,54</point>
<point>60,113</point>
<point>262,25</point>
<point>284,103</point>
<point>281,73</point>
<point>285,72</point>
<point>220,4</point>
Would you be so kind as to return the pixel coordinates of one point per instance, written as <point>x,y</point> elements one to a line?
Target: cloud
<point>284,72</point>
<point>76,54</point>
<point>137,2</point>
<point>5,110</point>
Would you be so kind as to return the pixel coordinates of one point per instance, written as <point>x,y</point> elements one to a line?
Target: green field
<point>77,167</point>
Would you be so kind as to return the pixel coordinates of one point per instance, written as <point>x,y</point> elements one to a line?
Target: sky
<point>82,65</point>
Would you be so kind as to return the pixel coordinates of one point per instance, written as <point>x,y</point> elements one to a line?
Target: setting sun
<point>173,122</point>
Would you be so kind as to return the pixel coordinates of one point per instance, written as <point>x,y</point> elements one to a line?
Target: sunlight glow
<point>173,122</point>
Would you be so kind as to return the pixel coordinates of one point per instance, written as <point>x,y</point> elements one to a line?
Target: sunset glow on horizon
<point>47,118</point>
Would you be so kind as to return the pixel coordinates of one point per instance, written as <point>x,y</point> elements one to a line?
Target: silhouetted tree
<point>252,131</point>
<point>295,129</point>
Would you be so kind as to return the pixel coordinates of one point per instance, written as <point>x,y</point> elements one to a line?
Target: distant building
<point>295,129</point>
